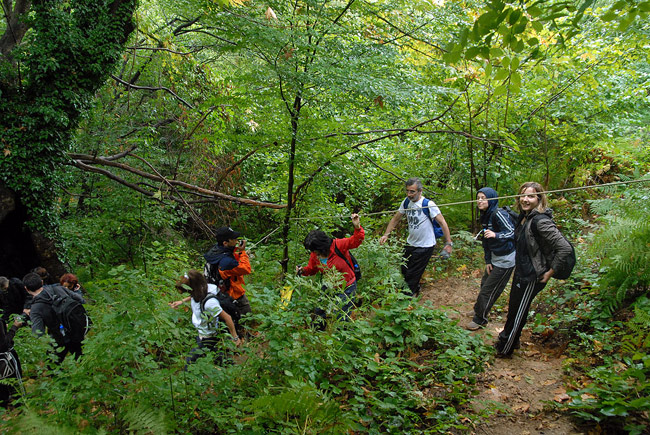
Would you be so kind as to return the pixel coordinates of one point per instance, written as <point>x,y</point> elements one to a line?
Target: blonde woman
<point>541,249</point>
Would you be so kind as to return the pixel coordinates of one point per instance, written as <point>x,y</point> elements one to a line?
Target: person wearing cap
<point>421,239</point>
<point>227,261</point>
<point>231,261</point>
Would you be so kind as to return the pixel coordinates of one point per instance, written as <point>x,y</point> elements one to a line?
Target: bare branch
<point>85,161</point>
<point>166,49</point>
<point>148,88</point>
<point>240,161</point>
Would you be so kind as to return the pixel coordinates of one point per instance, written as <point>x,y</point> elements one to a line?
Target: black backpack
<point>212,275</point>
<point>355,264</point>
<point>228,304</point>
<point>564,270</point>
<point>70,313</point>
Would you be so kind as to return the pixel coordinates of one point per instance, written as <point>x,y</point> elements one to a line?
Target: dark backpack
<point>437,229</point>
<point>70,313</point>
<point>563,270</point>
<point>513,215</point>
<point>355,264</point>
<point>228,304</point>
<point>212,275</point>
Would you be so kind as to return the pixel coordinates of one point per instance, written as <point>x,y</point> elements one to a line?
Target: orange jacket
<point>236,274</point>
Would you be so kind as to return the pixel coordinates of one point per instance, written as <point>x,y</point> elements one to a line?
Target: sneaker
<point>470,313</point>
<point>473,326</point>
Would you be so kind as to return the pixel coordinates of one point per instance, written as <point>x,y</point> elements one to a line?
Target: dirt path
<point>516,389</point>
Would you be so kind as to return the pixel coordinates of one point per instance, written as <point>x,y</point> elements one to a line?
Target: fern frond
<point>145,420</point>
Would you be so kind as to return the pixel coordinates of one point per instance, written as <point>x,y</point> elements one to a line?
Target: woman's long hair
<point>193,283</point>
<point>542,205</point>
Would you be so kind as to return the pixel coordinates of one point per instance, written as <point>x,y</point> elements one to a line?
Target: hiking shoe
<point>473,326</point>
<point>470,313</point>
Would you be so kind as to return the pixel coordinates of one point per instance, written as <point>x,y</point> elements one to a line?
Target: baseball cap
<point>226,233</point>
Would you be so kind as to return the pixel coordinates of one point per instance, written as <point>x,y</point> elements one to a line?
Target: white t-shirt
<point>206,324</point>
<point>420,227</point>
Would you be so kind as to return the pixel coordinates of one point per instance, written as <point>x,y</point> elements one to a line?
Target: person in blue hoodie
<point>498,235</point>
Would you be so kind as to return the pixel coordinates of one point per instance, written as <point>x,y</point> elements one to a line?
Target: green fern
<point>145,420</point>
<point>298,406</point>
<point>31,423</point>
<point>623,246</point>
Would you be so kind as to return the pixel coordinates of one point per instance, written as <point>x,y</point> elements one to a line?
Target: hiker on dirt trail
<point>228,261</point>
<point>43,315</point>
<point>497,237</point>
<point>420,213</point>
<point>47,281</point>
<point>541,250</point>
<point>206,313</point>
<point>328,253</point>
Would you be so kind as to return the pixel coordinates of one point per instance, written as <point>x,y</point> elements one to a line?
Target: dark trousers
<point>416,260</point>
<point>207,344</point>
<point>492,286</point>
<point>347,299</point>
<point>73,348</point>
<point>243,305</point>
<point>522,294</point>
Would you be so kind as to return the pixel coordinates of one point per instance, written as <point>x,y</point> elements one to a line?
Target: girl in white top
<point>206,312</point>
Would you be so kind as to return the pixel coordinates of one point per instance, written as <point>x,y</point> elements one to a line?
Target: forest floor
<point>516,391</point>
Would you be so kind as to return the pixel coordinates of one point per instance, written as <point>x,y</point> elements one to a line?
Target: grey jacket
<point>549,249</point>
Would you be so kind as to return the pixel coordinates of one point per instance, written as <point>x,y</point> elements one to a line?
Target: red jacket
<point>334,261</point>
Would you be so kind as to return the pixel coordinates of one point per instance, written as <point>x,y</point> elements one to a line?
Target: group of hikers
<point>527,242</point>
<point>55,308</point>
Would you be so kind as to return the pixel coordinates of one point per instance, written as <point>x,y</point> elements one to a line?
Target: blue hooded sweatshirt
<point>497,220</point>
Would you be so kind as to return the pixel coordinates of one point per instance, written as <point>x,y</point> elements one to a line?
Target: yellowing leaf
<point>7,152</point>
<point>270,14</point>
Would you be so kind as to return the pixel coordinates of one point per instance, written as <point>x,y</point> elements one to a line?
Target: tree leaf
<point>514,16</point>
<point>500,90</point>
<point>270,14</point>
<point>501,74</point>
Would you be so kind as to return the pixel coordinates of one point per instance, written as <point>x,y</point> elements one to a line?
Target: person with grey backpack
<point>61,312</point>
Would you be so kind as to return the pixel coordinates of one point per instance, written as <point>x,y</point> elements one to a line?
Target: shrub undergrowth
<point>395,367</point>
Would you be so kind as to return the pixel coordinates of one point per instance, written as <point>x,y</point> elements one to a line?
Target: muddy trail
<point>516,391</point>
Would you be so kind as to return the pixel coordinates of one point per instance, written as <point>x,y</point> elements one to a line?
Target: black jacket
<point>43,315</point>
<point>545,247</point>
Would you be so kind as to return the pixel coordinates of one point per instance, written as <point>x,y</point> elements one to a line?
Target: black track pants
<point>492,286</point>
<point>522,294</point>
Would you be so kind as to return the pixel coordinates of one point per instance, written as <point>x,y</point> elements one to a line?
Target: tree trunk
<point>290,183</point>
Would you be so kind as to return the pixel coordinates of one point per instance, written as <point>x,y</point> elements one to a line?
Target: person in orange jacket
<point>226,264</point>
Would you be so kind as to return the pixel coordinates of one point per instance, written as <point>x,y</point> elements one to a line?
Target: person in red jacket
<point>324,257</point>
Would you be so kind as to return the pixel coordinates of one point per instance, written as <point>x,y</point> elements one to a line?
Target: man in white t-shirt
<point>421,238</point>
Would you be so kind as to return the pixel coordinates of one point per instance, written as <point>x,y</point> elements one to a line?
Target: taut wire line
<point>449,204</point>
